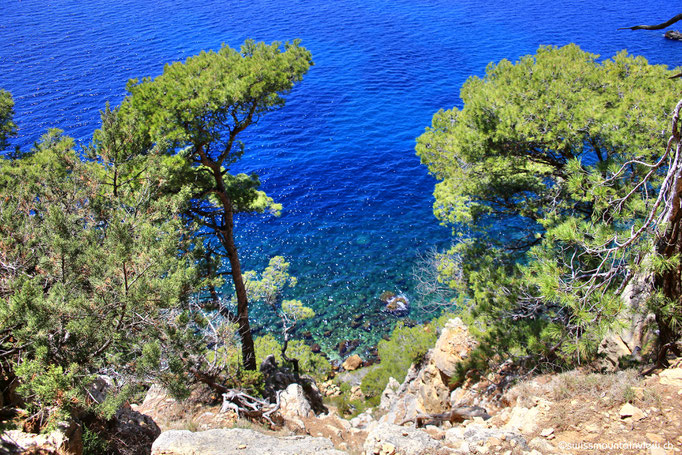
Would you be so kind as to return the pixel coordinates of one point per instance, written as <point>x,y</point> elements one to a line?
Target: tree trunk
<point>244,327</point>
<point>669,281</point>
<point>226,237</point>
<point>660,26</point>
<point>669,245</point>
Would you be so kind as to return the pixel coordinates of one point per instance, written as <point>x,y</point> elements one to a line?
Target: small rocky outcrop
<point>132,431</point>
<point>636,322</point>
<point>387,438</point>
<point>239,442</point>
<point>293,403</point>
<point>389,394</point>
<point>452,346</point>
<point>464,438</point>
<point>279,378</point>
<point>65,440</point>
<point>426,390</point>
<point>673,35</point>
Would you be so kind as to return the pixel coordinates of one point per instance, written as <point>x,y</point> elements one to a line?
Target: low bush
<point>315,365</point>
<point>406,345</point>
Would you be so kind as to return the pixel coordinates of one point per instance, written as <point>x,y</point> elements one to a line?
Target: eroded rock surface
<point>239,442</point>
<point>403,440</point>
<point>426,389</point>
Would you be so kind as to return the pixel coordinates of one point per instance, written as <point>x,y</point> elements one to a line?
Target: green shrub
<point>407,345</point>
<point>93,443</point>
<point>315,365</point>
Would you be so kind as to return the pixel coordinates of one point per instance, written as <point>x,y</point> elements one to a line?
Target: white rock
<point>229,441</point>
<point>406,440</point>
<point>293,403</point>
<point>546,432</point>
<point>628,410</point>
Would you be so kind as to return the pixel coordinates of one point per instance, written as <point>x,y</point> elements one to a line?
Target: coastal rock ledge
<point>239,442</point>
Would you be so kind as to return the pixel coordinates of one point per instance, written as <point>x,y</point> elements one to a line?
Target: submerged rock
<point>674,35</point>
<point>352,363</point>
<point>347,346</point>
<point>398,305</point>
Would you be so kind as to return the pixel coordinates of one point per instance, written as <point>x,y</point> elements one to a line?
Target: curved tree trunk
<point>226,237</point>
<point>669,282</point>
<point>660,26</point>
<point>669,245</point>
<point>244,327</point>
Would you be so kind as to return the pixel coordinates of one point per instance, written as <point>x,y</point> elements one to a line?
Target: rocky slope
<point>575,412</point>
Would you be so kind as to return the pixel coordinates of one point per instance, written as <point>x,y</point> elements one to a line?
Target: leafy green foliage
<point>539,173</point>
<point>310,363</point>
<point>405,346</point>
<point>269,288</point>
<point>94,261</point>
<point>350,407</point>
<point>93,443</point>
<point>196,110</point>
<point>7,126</point>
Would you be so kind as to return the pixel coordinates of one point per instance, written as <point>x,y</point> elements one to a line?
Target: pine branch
<point>660,26</point>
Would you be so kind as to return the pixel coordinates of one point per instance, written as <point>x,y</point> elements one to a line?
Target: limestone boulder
<point>239,442</point>
<point>628,411</point>
<point>278,378</point>
<point>294,404</point>
<point>65,440</point>
<point>671,376</point>
<point>389,393</point>
<point>611,349</point>
<point>426,390</point>
<point>405,404</point>
<point>453,346</point>
<point>98,389</point>
<point>432,390</point>
<point>389,438</point>
<point>524,420</point>
<point>138,430</point>
<point>476,433</point>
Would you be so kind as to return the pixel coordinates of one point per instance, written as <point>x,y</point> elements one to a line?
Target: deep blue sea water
<point>340,155</point>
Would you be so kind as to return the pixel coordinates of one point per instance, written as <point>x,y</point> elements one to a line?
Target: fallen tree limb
<point>660,26</point>
<point>245,405</point>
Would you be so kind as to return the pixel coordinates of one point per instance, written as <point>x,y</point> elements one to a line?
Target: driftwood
<point>245,405</point>
<point>456,415</point>
<point>660,26</point>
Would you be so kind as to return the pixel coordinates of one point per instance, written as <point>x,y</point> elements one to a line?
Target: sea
<point>357,204</point>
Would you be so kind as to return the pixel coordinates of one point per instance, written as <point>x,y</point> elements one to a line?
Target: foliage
<point>93,260</point>
<point>310,363</point>
<point>349,407</point>
<point>540,169</point>
<point>269,288</point>
<point>93,443</point>
<point>7,126</point>
<point>405,346</point>
<point>196,109</point>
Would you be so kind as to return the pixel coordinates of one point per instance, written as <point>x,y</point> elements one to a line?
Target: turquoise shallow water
<point>339,156</point>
